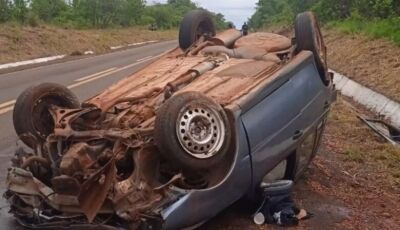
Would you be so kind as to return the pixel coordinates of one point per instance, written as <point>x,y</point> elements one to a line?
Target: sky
<point>237,11</point>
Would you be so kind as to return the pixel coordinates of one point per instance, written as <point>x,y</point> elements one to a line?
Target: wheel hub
<point>200,131</point>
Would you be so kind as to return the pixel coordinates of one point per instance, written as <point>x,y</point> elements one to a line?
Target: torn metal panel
<point>94,190</point>
<point>390,133</point>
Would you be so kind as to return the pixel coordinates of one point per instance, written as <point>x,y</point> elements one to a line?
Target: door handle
<point>297,134</point>
<point>326,105</point>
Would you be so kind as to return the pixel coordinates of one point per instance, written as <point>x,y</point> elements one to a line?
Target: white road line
<point>6,104</point>
<point>116,47</point>
<point>52,58</point>
<point>138,62</point>
<point>9,105</point>
<point>29,62</point>
<point>144,59</point>
<point>107,73</point>
<point>94,75</point>
<point>92,79</point>
<point>132,44</point>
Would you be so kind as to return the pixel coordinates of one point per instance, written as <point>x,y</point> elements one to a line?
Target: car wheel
<point>309,37</point>
<point>31,116</point>
<point>192,131</point>
<point>195,24</point>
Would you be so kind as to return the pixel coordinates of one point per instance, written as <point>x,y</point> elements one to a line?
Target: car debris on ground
<point>390,133</point>
<point>278,207</point>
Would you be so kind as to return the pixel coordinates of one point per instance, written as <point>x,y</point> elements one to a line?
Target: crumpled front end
<point>93,171</point>
<point>100,166</point>
<point>110,191</point>
<point>83,176</point>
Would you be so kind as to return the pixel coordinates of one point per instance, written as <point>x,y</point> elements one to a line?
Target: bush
<point>84,14</point>
<point>146,20</point>
<point>47,10</point>
<point>163,15</point>
<point>32,19</point>
<point>271,12</point>
<point>19,11</point>
<point>5,10</point>
<point>376,18</point>
<point>377,28</point>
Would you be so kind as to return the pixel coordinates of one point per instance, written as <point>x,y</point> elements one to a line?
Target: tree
<point>396,8</point>
<point>47,10</point>
<point>284,11</point>
<point>219,20</point>
<point>299,6</point>
<point>131,12</point>
<point>19,11</point>
<point>164,16</point>
<point>5,10</point>
<point>98,13</point>
<point>375,8</point>
<point>181,7</point>
<point>271,11</point>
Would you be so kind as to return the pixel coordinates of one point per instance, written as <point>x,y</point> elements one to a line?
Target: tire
<point>31,116</point>
<point>195,24</point>
<point>309,37</point>
<point>178,131</point>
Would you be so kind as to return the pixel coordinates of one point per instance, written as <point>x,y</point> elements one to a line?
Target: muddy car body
<point>177,142</point>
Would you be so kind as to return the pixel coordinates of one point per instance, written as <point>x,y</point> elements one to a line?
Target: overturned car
<point>177,142</point>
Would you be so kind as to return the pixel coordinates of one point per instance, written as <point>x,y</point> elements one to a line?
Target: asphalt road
<point>85,77</point>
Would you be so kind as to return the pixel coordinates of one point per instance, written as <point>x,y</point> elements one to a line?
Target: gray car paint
<point>265,125</point>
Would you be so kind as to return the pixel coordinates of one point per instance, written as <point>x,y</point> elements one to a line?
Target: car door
<point>278,122</point>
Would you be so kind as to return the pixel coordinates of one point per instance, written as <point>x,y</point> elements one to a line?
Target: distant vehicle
<point>179,141</point>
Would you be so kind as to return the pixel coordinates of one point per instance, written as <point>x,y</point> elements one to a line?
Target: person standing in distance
<point>245,29</point>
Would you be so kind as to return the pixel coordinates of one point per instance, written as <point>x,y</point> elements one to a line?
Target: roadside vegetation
<point>374,18</point>
<point>384,28</point>
<point>374,63</point>
<point>23,42</point>
<point>84,14</point>
<point>38,28</point>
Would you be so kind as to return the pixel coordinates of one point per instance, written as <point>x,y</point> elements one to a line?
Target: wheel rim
<point>200,130</point>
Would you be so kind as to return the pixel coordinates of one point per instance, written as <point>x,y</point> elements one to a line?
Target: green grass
<point>382,28</point>
<point>354,155</point>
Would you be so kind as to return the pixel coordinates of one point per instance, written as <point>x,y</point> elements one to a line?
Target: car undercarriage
<point>112,162</point>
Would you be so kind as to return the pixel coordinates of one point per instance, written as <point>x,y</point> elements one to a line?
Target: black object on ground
<point>278,206</point>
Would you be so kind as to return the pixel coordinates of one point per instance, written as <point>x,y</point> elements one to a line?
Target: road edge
<point>66,58</point>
